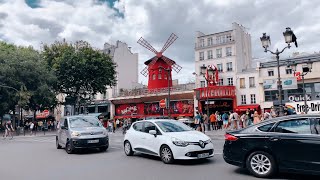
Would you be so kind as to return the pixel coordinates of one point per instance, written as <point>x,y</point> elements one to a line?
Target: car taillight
<point>229,137</point>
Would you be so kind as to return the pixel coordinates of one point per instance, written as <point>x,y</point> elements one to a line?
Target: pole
<point>304,95</point>
<point>279,85</point>
<point>169,113</point>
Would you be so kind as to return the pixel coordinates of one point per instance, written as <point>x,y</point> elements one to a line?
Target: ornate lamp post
<point>289,37</point>
<point>207,72</point>
<point>306,68</point>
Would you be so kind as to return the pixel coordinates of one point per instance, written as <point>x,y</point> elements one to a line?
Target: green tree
<point>80,69</point>
<point>23,69</point>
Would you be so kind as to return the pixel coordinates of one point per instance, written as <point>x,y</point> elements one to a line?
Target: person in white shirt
<point>118,123</point>
<point>31,128</point>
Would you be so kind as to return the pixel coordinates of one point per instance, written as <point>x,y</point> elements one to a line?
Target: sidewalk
<point>38,134</point>
<point>216,134</point>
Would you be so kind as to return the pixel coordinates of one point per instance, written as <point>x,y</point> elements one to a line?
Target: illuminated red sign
<point>217,92</point>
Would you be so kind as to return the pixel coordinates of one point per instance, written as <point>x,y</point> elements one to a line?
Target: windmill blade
<point>145,71</point>
<point>145,44</point>
<point>170,40</point>
<point>176,68</point>
<point>154,60</point>
<point>167,60</point>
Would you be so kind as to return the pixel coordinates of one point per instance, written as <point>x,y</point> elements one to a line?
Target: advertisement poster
<point>287,83</point>
<point>129,109</point>
<point>183,107</point>
<point>313,106</point>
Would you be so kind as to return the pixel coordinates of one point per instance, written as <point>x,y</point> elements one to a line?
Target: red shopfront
<point>178,108</point>
<point>216,98</point>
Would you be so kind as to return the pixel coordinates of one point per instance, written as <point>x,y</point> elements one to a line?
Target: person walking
<point>256,118</point>
<point>206,121</point>
<point>197,122</point>
<point>243,120</point>
<point>235,120</point>
<point>219,120</point>
<point>117,123</point>
<point>213,120</point>
<point>31,128</point>
<point>8,130</point>
<point>225,119</point>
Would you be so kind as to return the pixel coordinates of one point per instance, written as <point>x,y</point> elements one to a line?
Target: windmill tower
<point>159,68</point>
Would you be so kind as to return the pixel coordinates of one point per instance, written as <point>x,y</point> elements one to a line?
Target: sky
<point>34,22</point>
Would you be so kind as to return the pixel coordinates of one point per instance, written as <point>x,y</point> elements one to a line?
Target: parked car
<point>288,143</point>
<point>168,139</point>
<point>79,132</point>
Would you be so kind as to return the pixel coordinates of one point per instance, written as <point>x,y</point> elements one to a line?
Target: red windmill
<point>159,67</point>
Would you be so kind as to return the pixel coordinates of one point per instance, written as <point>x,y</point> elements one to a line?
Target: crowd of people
<point>113,125</point>
<point>232,120</point>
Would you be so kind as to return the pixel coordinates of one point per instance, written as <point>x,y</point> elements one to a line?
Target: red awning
<point>242,108</point>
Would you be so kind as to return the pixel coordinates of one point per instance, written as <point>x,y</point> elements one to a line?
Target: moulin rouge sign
<point>217,91</point>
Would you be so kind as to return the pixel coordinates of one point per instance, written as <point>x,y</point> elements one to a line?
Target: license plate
<point>93,141</point>
<point>203,155</point>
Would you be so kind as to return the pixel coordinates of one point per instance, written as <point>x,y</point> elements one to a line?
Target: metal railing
<point>146,91</point>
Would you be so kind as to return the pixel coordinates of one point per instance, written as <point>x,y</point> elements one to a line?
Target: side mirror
<point>153,132</point>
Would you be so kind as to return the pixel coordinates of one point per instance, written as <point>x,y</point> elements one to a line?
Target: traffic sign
<point>162,103</point>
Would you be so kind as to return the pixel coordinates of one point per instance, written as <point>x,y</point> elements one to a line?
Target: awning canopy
<point>242,108</point>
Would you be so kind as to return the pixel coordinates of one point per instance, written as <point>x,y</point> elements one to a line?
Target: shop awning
<point>242,108</point>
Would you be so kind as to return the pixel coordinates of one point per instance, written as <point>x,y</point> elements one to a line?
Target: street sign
<point>162,103</point>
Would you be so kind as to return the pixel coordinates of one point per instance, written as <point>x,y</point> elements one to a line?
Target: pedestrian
<point>8,130</point>
<point>31,128</point>
<point>244,120</point>
<point>219,120</point>
<point>225,119</point>
<point>266,115</point>
<point>213,120</point>
<point>197,122</point>
<point>110,125</point>
<point>256,118</point>
<point>249,117</point>
<point>206,121</point>
<point>117,123</point>
<point>235,120</point>
<point>202,124</point>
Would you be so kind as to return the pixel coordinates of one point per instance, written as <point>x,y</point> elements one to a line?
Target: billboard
<point>181,107</point>
<point>313,106</point>
<point>129,109</point>
<point>287,83</point>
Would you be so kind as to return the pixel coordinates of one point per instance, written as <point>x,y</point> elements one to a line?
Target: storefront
<point>216,98</point>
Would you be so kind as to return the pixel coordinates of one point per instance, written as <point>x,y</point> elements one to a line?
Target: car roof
<point>156,120</point>
<point>80,116</point>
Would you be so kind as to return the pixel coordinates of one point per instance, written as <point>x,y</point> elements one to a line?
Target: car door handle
<point>274,139</point>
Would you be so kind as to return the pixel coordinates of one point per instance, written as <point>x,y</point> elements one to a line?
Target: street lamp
<point>266,42</point>
<point>168,70</point>
<point>306,68</point>
<point>207,72</point>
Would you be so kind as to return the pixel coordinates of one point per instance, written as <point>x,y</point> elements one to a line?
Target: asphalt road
<point>37,158</point>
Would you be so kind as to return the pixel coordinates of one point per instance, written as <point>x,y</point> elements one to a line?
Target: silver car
<point>79,132</point>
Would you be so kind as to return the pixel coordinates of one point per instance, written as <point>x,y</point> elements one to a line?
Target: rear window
<point>266,128</point>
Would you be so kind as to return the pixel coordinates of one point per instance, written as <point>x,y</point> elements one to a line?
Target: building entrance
<point>217,105</point>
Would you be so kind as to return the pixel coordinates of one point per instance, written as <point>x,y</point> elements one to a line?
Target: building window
<point>288,71</point>
<point>159,76</point>
<point>201,56</point>
<point>229,66</point>
<point>220,82</point>
<point>202,84</point>
<point>153,77</point>
<point>242,83</point>
<point>228,51</point>
<point>210,56</point>
<point>219,53</point>
<point>253,98</point>
<point>210,41</point>
<point>228,37</point>
<point>220,68</point>
<point>251,82</point>
<point>201,42</point>
<point>243,99</point>
<point>270,73</point>
<point>272,95</point>
<point>230,81</point>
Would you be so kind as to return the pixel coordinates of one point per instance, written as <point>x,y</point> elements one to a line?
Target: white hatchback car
<point>168,139</point>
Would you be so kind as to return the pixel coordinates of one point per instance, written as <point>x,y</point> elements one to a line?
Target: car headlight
<point>179,142</point>
<point>208,141</point>
<point>75,134</point>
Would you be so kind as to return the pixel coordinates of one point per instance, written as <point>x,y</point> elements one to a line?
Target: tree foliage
<point>80,69</point>
<point>24,71</point>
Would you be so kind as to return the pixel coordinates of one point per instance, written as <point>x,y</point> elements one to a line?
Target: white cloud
<point>155,20</point>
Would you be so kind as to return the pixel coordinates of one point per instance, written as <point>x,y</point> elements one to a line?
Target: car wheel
<point>69,148</point>
<point>166,154</point>
<point>103,149</point>
<point>261,164</point>
<point>128,148</point>
<point>57,143</point>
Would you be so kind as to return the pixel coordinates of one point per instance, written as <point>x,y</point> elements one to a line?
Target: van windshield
<point>79,122</point>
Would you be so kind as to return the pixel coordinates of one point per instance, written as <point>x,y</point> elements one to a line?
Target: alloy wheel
<point>260,164</point>
<point>166,155</point>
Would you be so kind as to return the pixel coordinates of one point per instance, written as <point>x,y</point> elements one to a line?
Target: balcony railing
<point>146,91</point>
<point>202,46</point>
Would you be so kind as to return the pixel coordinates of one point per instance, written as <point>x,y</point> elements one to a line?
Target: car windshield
<point>173,126</point>
<point>79,122</point>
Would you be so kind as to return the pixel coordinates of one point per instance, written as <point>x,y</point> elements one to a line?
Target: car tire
<point>128,148</point>
<point>166,154</point>
<point>261,164</point>
<point>103,149</point>
<point>57,143</point>
<point>69,147</point>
